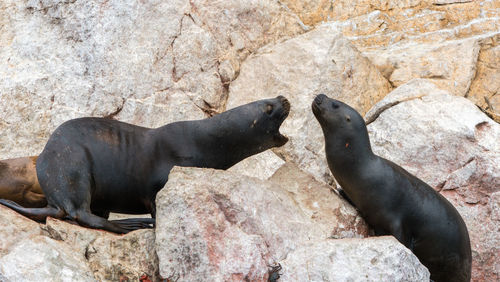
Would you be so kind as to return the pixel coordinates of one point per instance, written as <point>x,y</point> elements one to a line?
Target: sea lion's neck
<point>347,156</point>
<point>210,143</point>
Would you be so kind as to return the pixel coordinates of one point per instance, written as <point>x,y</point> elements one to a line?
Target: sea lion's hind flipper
<point>37,214</point>
<point>140,223</point>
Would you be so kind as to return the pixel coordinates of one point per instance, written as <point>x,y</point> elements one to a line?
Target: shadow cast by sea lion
<point>93,166</point>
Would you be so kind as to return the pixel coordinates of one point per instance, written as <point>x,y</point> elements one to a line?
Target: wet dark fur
<point>93,166</point>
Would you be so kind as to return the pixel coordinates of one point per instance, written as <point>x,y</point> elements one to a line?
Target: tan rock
<point>319,61</point>
<point>485,88</point>
<point>450,65</point>
<point>313,12</point>
<point>382,23</point>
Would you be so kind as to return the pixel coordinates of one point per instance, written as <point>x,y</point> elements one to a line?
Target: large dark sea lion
<point>93,166</point>
<point>390,199</point>
<point>18,182</point>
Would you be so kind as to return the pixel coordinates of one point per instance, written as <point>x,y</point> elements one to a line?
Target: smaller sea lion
<point>390,199</point>
<point>19,183</point>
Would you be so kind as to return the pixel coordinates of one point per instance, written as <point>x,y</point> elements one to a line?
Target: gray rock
<point>371,259</point>
<point>144,62</point>
<point>261,166</point>
<point>40,258</point>
<point>110,257</point>
<point>15,228</point>
<point>221,225</point>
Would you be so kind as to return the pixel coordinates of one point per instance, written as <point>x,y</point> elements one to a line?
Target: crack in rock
<point>117,111</point>
<point>450,2</point>
<point>382,109</point>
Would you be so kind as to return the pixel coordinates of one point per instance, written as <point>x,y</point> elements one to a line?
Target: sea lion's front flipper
<point>136,223</point>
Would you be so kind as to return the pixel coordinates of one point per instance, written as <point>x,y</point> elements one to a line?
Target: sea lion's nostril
<point>319,99</point>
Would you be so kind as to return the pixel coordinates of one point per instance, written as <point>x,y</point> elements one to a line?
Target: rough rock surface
<point>110,257</point>
<point>46,260</point>
<point>15,228</point>
<point>319,61</point>
<point>60,251</point>
<point>371,259</point>
<point>434,39</point>
<point>262,165</point>
<point>145,62</point>
<point>450,144</point>
<point>221,225</point>
<point>485,88</point>
<point>454,43</point>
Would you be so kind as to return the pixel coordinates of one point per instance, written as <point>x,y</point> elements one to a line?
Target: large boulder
<point>450,144</point>
<point>451,65</point>
<point>465,67</point>
<point>146,62</point>
<point>221,225</point>
<point>319,61</point>
<point>371,259</point>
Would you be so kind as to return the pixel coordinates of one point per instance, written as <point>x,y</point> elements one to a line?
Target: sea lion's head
<point>334,115</point>
<point>258,123</point>
<point>343,127</point>
<point>246,130</point>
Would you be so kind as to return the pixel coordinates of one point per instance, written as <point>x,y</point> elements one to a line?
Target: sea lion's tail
<point>37,214</point>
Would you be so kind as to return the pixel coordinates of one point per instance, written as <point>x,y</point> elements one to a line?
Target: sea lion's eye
<point>348,118</point>
<point>269,109</point>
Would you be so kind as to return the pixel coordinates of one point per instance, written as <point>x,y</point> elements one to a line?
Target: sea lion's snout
<point>279,138</point>
<point>319,99</point>
<point>317,103</point>
<point>284,103</point>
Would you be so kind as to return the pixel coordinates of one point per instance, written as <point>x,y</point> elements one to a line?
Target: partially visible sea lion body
<point>390,199</point>
<point>93,166</point>
<point>19,183</point>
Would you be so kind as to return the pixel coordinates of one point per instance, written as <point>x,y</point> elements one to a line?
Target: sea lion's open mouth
<point>286,107</point>
<point>280,138</point>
